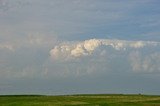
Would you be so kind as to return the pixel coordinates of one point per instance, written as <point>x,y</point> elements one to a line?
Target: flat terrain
<point>80,100</point>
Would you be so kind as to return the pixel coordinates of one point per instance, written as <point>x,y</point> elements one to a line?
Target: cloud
<point>6,46</point>
<point>147,63</point>
<point>9,5</point>
<point>25,56</point>
<point>88,47</point>
<point>34,57</point>
<point>104,56</point>
<point>31,40</point>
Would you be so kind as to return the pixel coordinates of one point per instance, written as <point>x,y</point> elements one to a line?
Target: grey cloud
<point>145,63</point>
<point>61,16</point>
<point>24,57</point>
<point>10,5</point>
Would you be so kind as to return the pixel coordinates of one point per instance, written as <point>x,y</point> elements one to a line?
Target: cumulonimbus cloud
<point>138,56</point>
<point>87,47</point>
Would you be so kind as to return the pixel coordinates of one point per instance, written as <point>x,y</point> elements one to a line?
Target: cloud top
<point>88,47</point>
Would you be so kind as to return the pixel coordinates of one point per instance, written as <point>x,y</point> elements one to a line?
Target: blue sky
<point>79,46</point>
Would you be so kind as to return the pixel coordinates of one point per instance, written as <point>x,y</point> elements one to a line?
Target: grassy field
<point>81,100</point>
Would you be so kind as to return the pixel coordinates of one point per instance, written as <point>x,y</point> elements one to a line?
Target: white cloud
<point>105,56</point>
<point>87,47</point>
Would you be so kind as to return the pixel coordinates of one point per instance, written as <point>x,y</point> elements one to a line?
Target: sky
<point>56,47</point>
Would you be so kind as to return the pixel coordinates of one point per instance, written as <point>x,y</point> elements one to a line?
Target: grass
<point>80,100</point>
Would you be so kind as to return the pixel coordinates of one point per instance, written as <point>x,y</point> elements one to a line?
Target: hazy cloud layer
<point>81,19</point>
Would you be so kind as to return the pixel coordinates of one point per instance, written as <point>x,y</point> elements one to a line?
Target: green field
<point>81,100</point>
